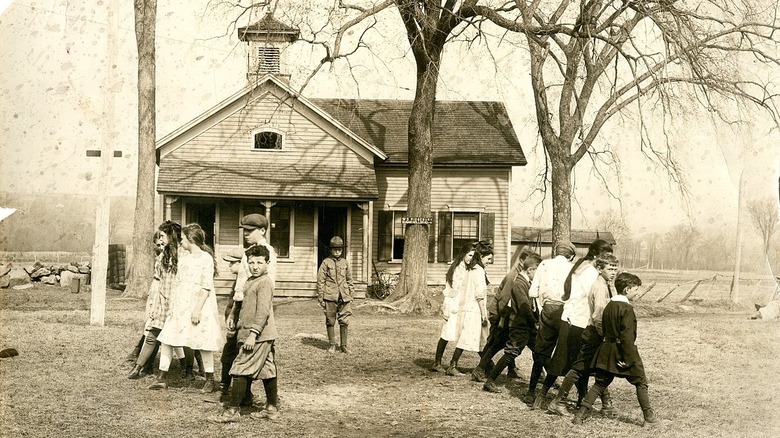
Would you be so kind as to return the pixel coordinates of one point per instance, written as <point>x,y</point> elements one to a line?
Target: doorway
<point>331,221</point>
<point>204,215</point>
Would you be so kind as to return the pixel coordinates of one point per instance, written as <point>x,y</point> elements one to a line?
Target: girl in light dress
<point>193,317</point>
<point>464,308</point>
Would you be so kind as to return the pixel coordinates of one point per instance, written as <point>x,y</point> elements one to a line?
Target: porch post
<point>366,271</point>
<point>268,205</point>
<point>168,201</point>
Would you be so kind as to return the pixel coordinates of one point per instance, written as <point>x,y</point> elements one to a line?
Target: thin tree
<point>142,256</point>
<point>766,221</point>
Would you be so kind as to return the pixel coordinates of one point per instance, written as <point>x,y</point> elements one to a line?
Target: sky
<point>65,62</point>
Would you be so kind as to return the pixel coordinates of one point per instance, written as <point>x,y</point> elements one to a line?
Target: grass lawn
<point>711,375</point>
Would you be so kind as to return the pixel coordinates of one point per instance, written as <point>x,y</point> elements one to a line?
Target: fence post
<point>649,288</point>
<point>690,292</point>
<point>668,293</point>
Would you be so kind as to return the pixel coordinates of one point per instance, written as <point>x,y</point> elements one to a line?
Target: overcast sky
<point>57,63</point>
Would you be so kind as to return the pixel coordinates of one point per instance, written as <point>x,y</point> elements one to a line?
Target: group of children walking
<point>569,315</point>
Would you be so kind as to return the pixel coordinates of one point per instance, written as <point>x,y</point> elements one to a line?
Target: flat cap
<point>234,255</point>
<point>253,221</point>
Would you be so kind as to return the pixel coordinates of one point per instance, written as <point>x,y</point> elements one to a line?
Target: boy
<point>256,334</point>
<point>230,350</point>
<point>598,297</point>
<point>334,293</point>
<point>521,320</point>
<point>618,355</point>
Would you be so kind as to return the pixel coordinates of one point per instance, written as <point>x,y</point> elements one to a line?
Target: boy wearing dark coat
<point>335,290</point>
<point>618,356</point>
<point>256,333</point>
<point>521,320</point>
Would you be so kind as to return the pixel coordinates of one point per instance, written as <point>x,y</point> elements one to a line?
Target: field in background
<point>711,375</point>
<point>713,286</point>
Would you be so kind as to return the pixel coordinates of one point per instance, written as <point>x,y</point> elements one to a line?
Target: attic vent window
<point>268,140</point>
<point>268,60</point>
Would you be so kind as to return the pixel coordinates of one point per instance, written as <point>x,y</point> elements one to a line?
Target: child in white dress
<point>193,317</point>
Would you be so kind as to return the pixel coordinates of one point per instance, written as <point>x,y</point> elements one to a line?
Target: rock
<point>18,276</point>
<point>29,269</point>
<point>73,269</point>
<point>5,269</point>
<point>37,265</point>
<point>5,280</point>
<point>49,279</point>
<point>66,278</point>
<point>41,272</point>
<point>23,286</point>
<point>84,270</point>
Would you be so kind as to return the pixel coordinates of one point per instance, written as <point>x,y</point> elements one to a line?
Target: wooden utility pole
<point>97,312</point>
<point>734,295</point>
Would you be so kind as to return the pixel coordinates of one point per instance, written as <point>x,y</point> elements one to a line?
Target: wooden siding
<point>306,145</point>
<point>228,223</point>
<point>356,243</point>
<point>176,211</point>
<point>452,189</point>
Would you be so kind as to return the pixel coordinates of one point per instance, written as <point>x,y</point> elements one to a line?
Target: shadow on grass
<point>316,343</point>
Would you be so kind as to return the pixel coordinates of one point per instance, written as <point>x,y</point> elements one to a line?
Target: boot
<point>607,410</point>
<point>529,398</point>
<point>270,412</point>
<point>201,369</point>
<point>147,370</point>
<point>512,373</point>
<point>135,373</point>
<point>556,406</point>
<point>210,385</point>
<point>229,415</point>
<point>133,355</point>
<point>331,339</point>
<point>343,329</point>
<point>160,382</point>
<point>221,395</point>
<point>651,419</point>
<point>188,375</point>
<point>183,363</point>
<point>541,394</point>
<point>438,367</point>
<point>581,415</point>
<point>452,370</point>
<point>478,375</point>
<point>490,386</point>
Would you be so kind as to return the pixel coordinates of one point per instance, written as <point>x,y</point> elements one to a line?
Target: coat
<point>334,279</point>
<point>257,311</point>
<point>619,326</point>
<point>521,314</point>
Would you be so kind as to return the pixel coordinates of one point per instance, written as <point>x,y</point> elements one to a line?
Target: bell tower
<point>268,41</point>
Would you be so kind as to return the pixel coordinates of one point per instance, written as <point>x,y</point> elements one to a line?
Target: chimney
<point>268,41</point>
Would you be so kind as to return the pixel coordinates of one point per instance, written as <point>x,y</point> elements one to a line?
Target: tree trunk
<point>142,256</point>
<point>734,290</point>
<point>411,293</point>
<point>561,196</point>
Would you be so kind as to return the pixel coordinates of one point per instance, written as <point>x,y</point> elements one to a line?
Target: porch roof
<point>324,181</point>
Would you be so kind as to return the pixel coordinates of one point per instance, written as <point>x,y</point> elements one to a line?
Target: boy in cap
<point>334,293</point>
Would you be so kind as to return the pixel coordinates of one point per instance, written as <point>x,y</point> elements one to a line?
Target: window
<point>459,228</point>
<point>280,229</point>
<point>391,236</point>
<point>268,60</point>
<point>268,140</point>
<point>399,228</point>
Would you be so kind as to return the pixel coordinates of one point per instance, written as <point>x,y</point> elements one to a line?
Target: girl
<point>465,312</point>
<point>575,314</point>
<point>193,318</point>
<point>167,238</point>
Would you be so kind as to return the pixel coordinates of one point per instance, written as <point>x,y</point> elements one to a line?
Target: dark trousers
<point>549,326</point>
<point>604,378</point>
<point>581,369</point>
<point>496,341</point>
<point>229,353</point>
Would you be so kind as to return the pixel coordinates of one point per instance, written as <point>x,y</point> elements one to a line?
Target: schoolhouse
<point>324,167</point>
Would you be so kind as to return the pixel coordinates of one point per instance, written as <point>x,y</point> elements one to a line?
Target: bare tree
<point>766,220</point>
<point>142,256</point>
<point>590,61</point>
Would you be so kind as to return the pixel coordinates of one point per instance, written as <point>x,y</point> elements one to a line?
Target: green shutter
<point>385,236</point>
<point>487,227</point>
<point>445,236</point>
<point>432,240</point>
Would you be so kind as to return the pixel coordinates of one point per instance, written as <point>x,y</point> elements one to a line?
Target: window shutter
<point>487,227</point>
<point>445,236</point>
<point>385,236</point>
<point>432,240</point>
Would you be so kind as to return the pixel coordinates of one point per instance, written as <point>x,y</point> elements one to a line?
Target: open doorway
<point>204,215</point>
<point>331,221</point>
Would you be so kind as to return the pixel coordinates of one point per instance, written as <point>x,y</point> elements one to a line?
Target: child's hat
<point>253,221</point>
<point>234,255</point>
<point>566,244</point>
<point>336,242</point>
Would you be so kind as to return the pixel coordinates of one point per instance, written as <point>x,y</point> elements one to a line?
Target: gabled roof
<point>465,132</point>
<point>544,235</point>
<point>268,25</point>
<point>242,97</point>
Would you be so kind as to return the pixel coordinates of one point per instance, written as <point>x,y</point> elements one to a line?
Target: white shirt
<point>549,279</point>
<point>244,274</point>
<point>576,311</point>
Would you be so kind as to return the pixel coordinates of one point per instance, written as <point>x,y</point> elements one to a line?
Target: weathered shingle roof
<point>268,24</point>
<point>235,178</point>
<point>544,235</point>
<point>475,133</point>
